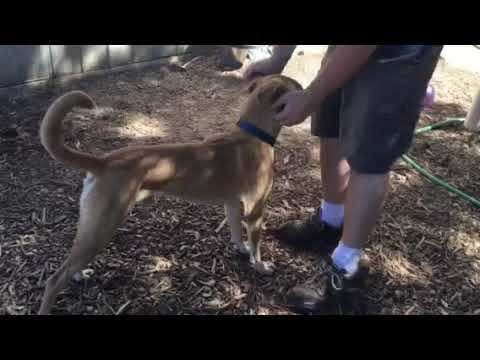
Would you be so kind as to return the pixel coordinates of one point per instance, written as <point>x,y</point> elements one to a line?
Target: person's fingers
<point>253,71</point>
<point>282,107</point>
<point>253,75</point>
<point>281,103</point>
<point>282,115</point>
<point>248,73</point>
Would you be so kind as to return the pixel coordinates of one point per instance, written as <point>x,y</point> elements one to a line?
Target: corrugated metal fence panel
<point>160,51</point>
<point>182,49</point>
<point>20,63</point>
<point>120,55</point>
<point>23,63</point>
<point>95,57</point>
<point>142,53</point>
<point>67,59</point>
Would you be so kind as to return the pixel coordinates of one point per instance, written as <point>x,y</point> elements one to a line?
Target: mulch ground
<point>173,257</point>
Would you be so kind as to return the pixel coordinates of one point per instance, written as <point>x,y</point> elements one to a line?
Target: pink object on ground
<point>429,99</point>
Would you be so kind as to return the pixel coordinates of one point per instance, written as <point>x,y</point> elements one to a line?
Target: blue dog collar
<point>256,132</point>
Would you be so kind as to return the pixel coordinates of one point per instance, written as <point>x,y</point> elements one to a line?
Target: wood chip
<point>122,308</point>
<point>214,265</point>
<point>222,224</point>
<point>410,309</point>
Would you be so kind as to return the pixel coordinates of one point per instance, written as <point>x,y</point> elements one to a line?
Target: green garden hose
<point>429,176</point>
<point>444,123</point>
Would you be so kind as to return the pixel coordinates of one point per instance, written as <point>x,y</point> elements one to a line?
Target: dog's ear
<point>296,84</point>
<point>250,88</point>
<point>271,94</point>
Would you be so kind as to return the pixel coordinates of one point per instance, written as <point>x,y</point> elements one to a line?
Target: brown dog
<point>230,169</point>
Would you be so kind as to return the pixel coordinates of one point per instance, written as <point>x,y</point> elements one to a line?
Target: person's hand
<point>293,108</point>
<point>263,68</point>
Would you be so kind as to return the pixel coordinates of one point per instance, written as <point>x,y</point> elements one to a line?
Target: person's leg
<point>322,231</point>
<point>365,196</point>
<point>377,122</point>
<point>335,174</point>
<point>380,110</point>
<point>334,170</point>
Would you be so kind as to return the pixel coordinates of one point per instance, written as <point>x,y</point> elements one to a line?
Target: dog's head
<point>263,94</point>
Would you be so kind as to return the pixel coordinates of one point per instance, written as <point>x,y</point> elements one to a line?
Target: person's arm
<point>344,62</point>
<point>283,53</point>
<point>272,65</point>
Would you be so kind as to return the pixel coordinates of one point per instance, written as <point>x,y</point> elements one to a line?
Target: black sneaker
<point>330,293</point>
<point>311,235</point>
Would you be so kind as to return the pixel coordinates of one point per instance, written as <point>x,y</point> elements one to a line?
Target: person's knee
<point>380,181</point>
<point>330,150</point>
<point>371,165</point>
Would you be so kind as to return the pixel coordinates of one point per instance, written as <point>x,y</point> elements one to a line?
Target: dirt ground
<point>172,256</point>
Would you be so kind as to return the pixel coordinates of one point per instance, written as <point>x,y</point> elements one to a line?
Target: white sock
<point>347,258</point>
<point>259,53</point>
<point>332,214</point>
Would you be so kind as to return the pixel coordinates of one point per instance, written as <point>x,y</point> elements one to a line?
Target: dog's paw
<point>82,275</point>
<point>242,248</point>
<point>264,267</point>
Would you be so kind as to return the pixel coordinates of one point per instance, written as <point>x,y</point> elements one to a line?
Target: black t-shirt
<point>392,51</point>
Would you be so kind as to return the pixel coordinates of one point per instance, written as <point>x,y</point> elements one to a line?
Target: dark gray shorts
<point>375,114</point>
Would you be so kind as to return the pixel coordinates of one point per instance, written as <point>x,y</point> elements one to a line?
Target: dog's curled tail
<point>51,132</point>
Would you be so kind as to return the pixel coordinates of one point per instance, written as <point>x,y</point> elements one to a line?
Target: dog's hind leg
<point>254,208</point>
<point>102,210</point>
<point>86,246</point>
<point>254,224</point>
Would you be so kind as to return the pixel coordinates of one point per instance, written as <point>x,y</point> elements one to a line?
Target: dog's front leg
<point>254,225</point>
<point>234,217</point>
